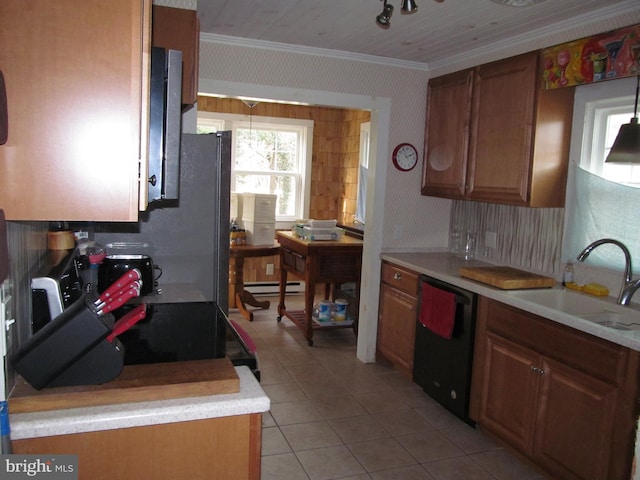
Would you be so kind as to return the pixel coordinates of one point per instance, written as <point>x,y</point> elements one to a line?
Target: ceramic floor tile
<point>470,440</point>
<point>504,466</point>
<point>457,469</point>
<point>337,406</point>
<point>381,454</point>
<point>284,392</point>
<point>324,395</point>
<point>294,412</point>
<point>282,467</point>
<point>438,416</point>
<point>358,429</point>
<point>429,446</point>
<point>305,436</point>
<point>412,472</point>
<point>329,463</point>
<point>274,442</point>
<point>402,421</point>
<point>267,420</point>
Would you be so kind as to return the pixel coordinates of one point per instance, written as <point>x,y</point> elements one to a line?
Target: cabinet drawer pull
<point>537,370</point>
<point>397,276</point>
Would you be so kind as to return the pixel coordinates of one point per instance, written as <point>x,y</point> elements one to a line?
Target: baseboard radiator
<point>273,288</point>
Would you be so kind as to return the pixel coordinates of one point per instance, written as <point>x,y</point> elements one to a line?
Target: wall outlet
<point>270,268</point>
<point>490,240</point>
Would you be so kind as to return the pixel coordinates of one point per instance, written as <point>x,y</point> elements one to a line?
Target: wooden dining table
<point>239,297</point>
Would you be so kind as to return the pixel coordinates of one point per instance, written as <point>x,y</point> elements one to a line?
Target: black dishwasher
<point>442,364</point>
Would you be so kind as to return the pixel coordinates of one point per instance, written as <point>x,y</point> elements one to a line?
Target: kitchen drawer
<point>293,260</point>
<point>400,278</point>
<point>592,355</point>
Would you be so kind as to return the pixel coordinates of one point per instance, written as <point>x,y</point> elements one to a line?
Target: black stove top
<point>173,332</point>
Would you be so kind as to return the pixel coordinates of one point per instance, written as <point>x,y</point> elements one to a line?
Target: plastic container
<point>340,314</point>
<point>324,311</point>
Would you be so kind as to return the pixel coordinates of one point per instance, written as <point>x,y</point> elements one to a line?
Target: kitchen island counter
<point>445,267</point>
<point>251,399</point>
<point>213,437</point>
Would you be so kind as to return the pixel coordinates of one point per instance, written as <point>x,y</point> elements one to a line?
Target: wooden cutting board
<point>507,278</point>
<point>136,383</point>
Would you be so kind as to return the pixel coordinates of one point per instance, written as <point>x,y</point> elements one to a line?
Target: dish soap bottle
<point>567,275</point>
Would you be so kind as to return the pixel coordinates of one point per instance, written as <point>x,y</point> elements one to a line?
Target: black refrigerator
<point>188,238</point>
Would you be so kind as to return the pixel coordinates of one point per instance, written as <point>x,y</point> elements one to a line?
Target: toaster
<point>55,287</point>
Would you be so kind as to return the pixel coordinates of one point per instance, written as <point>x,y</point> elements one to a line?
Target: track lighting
<point>384,19</point>
<point>408,6</point>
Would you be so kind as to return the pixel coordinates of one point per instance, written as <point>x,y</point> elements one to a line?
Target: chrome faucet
<point>629,287</point>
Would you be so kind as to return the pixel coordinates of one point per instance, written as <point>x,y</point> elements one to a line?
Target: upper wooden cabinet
<point>179,29</point>
<point>494,135</point>
<point>77,80</point>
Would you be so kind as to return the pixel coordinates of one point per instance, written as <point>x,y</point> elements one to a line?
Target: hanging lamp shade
<point>626,147</point>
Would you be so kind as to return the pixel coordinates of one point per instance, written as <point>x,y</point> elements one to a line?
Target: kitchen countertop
<point>250,399</point>
<point>445,267</point>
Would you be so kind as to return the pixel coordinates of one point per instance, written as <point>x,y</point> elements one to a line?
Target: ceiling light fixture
<point>626,147</point>
<point>408,6</point>
<point>384,19</point>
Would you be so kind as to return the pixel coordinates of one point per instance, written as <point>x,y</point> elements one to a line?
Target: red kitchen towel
<point>438,310</point>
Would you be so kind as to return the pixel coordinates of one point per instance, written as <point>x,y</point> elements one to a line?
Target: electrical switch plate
<point>490,240</point>
<point>270,268</point>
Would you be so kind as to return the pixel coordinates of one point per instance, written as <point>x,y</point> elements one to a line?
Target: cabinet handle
<point>397,276</point>
<point>537,370</point>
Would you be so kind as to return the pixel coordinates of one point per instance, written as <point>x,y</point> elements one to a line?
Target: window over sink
<point>602,199</point>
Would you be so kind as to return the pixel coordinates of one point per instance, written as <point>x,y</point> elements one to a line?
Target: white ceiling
<point>435,33</point>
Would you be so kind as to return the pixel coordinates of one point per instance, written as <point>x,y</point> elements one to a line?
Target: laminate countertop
<point>569,308</point>
<point>250,399</point>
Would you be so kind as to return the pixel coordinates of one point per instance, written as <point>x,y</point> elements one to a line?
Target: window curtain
<point>597,208</point>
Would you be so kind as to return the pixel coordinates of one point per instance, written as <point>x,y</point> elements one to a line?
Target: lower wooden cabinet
<point>565,399</point>
<point>397,316</point>
<point>225,448</point>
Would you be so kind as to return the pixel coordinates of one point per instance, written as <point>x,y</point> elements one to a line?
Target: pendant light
<point>626,147</point>
<point>250,104</point>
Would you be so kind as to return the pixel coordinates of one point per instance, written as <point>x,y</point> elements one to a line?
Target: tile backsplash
<point>27,244</point>
<point>527,237</point>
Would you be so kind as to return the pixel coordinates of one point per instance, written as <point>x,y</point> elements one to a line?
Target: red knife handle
<point>128,321</point>
<point>117,302</point>
<point>123,281</point>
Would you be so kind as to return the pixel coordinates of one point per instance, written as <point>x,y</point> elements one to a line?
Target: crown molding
<point>301,49</point>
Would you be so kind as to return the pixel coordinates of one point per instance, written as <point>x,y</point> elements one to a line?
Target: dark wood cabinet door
<point>447,135</point>
<point>502,128</point>
<point>509,391</point>
<point>575,423</point>
<point>396,327</point>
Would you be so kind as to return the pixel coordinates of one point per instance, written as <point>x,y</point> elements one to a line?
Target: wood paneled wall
<point>334,166</point>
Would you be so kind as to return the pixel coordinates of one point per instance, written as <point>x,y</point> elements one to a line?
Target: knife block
<point>71,349</point>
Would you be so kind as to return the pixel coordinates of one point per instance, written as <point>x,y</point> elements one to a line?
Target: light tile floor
<point>334,417</point>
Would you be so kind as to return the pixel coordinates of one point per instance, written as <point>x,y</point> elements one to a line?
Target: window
<point>603,119</point>
<point>269,155</point>
<point>361,200</point>
<point>601,198</point>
